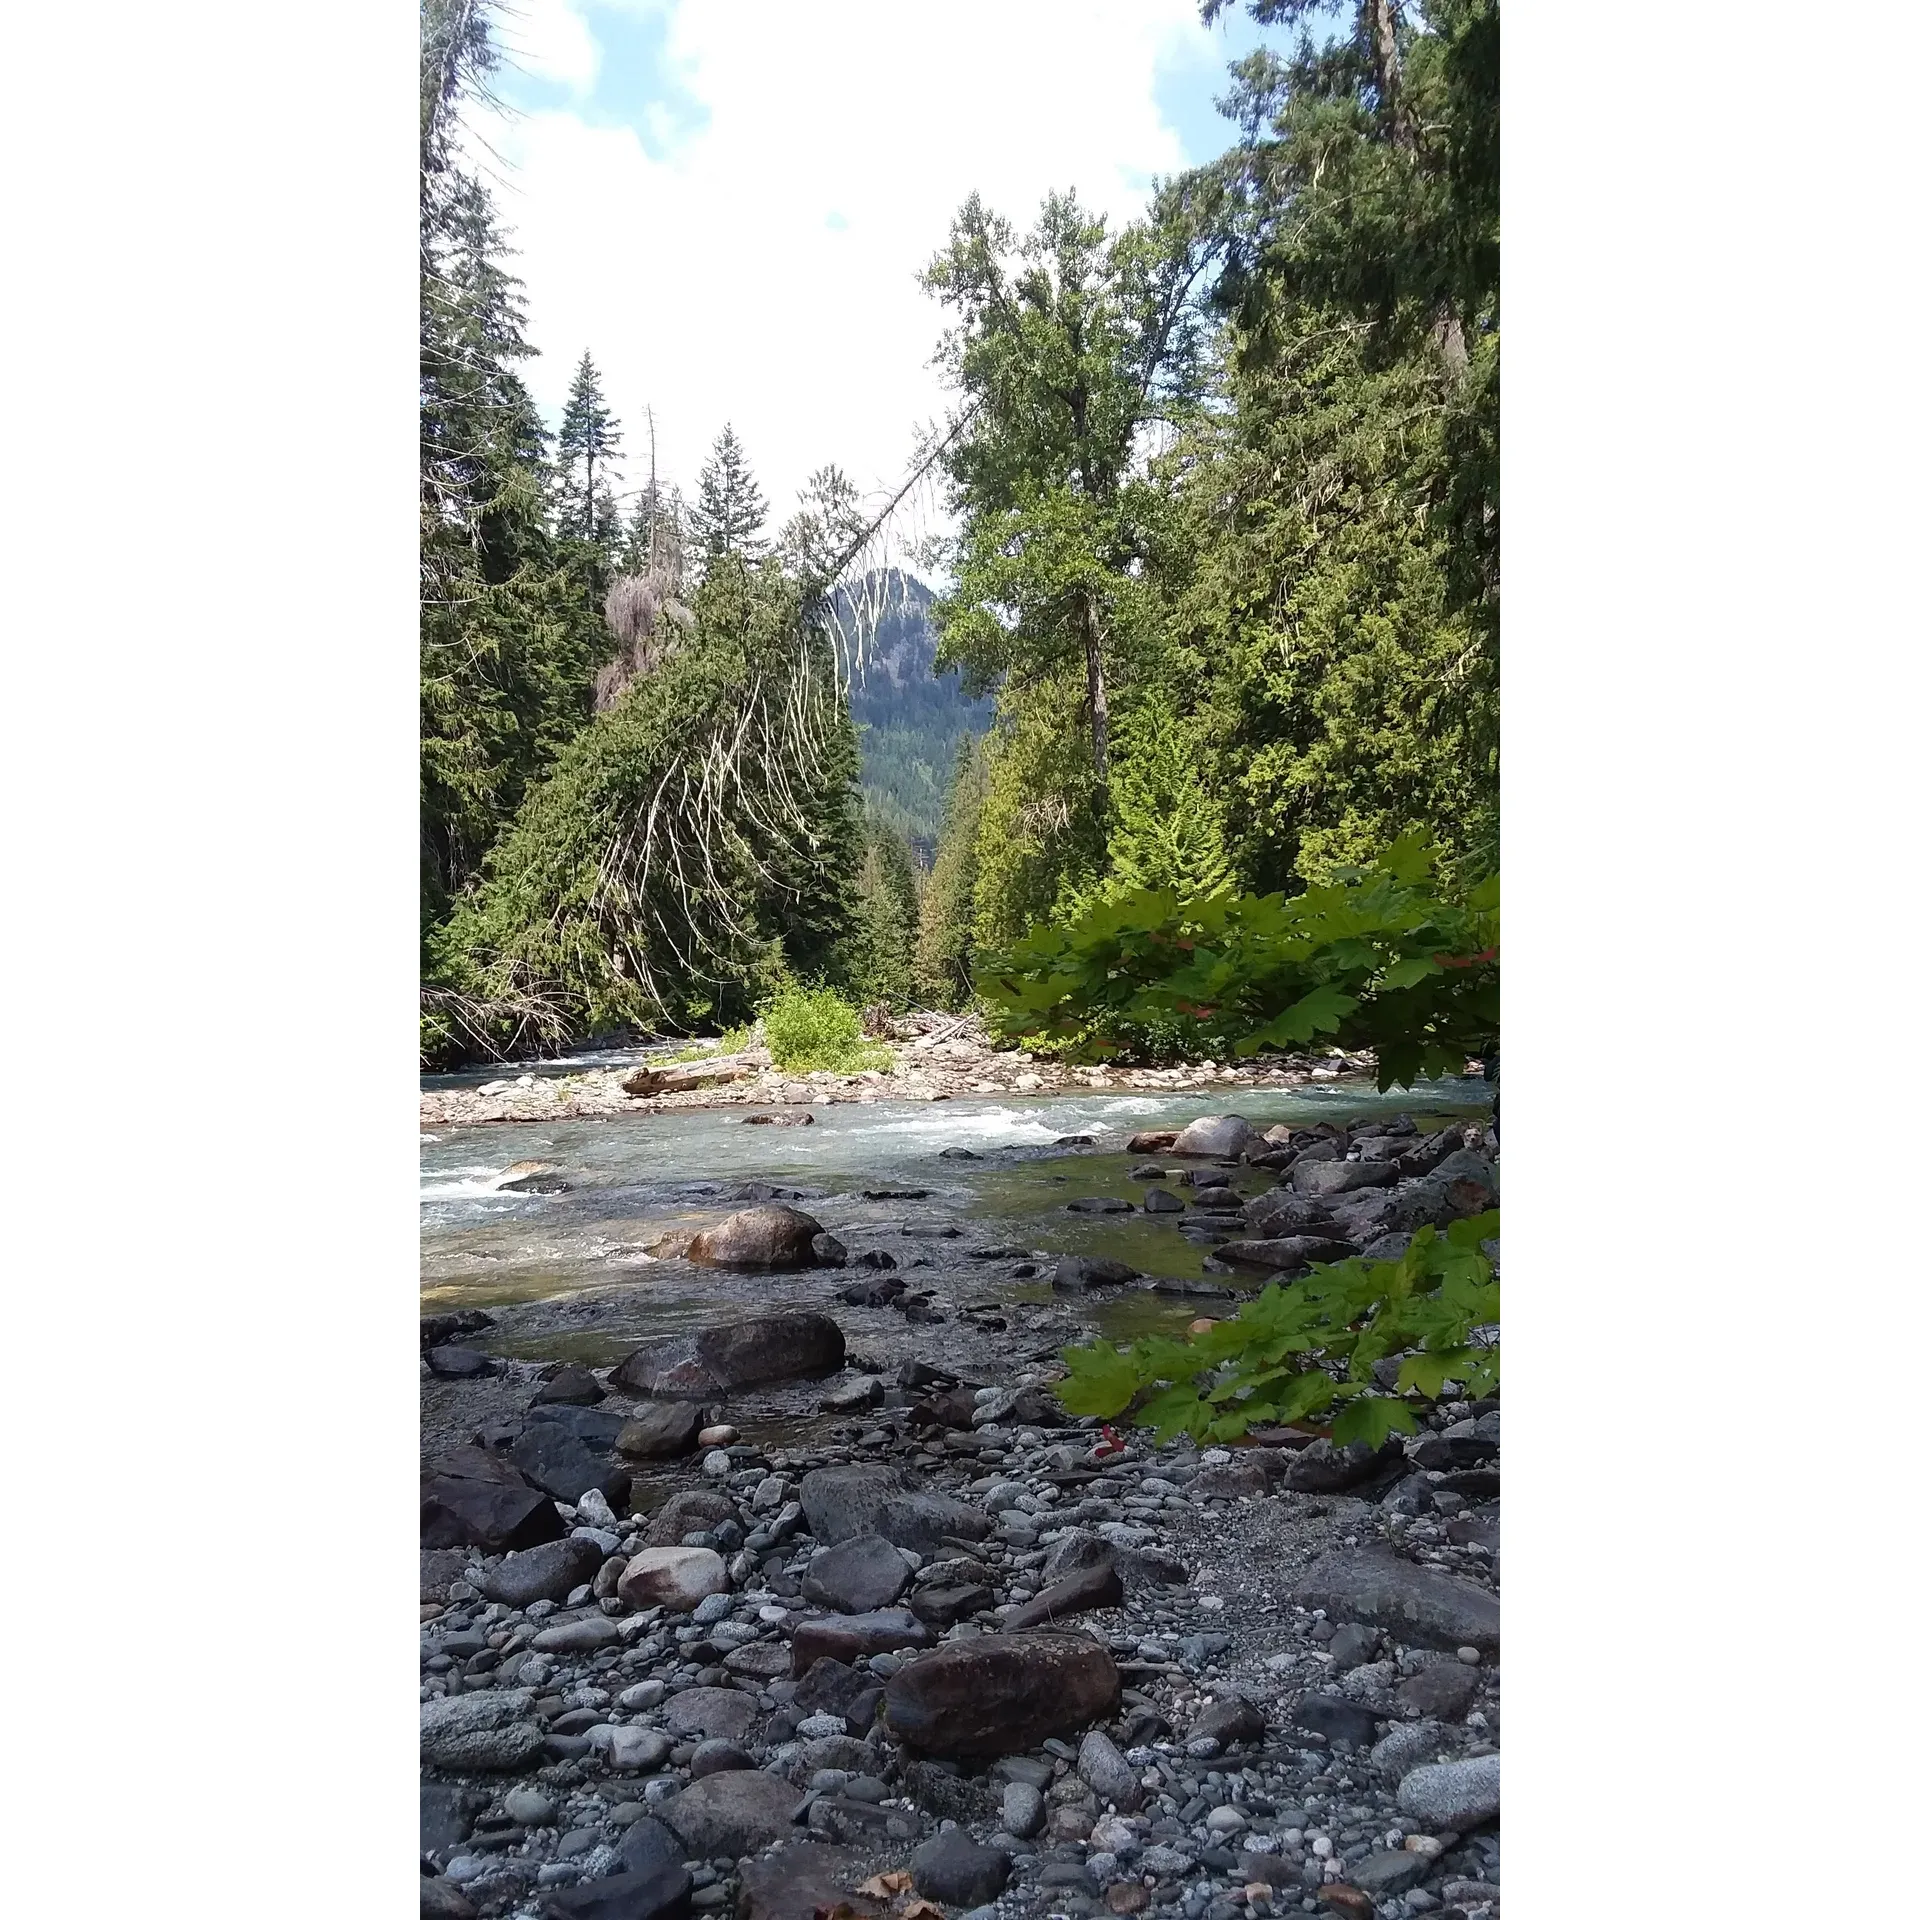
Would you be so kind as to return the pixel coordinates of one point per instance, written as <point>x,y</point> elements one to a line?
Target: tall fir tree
<point>943,954</point>
<point>586,455</point>
<point>729,514</point>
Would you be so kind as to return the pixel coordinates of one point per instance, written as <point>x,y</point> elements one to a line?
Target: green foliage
<point>1168,826</point>
<point>889,920</point>
<point>810,1029</point>
<point>1374,958</point>
<point>729,511</point>
<point>943,960</point>
<point>585,451</point>
<point>1304,1347</point>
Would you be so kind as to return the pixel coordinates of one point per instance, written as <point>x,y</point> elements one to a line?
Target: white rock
<point>1226,1820</point>
<point>717,1436</point>
<point>595,1512</point>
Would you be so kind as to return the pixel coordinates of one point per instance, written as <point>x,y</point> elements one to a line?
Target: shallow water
<point>633,1179</point>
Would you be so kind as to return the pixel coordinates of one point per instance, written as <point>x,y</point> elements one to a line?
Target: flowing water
<point>631,1180</point>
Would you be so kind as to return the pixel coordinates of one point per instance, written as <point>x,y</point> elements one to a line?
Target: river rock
<point>677,1578</point>
<point>714,1713</point>
<point>458,1512</point>
<point>732,1814</point>
<point>775,1346</point>
<point>953,1868</point>
<point>765,1239</point>
<point>1075,1272</point>
<point>488,1732</point>
<point>660,1893</point>
<point>692,1510</point>
<point>567,1450</point>
<point>1152,1142</point>
<point>636,1749</point>
<point>446,1815</point>
<point>1214,1136</point>
<point>1403,1748</point>
<point>1455,1794</point>
<point>857,1576</point>
<point>802,1881</point>
<point>1318,1179</point>
<point>1094,1586</point>
<point>1324,1468</point>
<point>1230,1720</point>
<point>1001,1693</point>
<point>841,1503</point>
<point>570,1387</point>
<point>1442,1691</point>
<point>1390,1871</point>
<point>547,1572</point>
<point>1104,1768</point>
<point>1421,1605</point>
<point>1286,1255</point>
<point>442,1900</point>
<point>1345,1722</point>
<point>460,1363</point>
<point>589,1633</point>
<point>1278,1214</point>
<point>662,1431</point>
<point>845,1637</point>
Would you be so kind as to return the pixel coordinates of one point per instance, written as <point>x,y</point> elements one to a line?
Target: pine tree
<point>889,917</point>
<point>586,452</point>
<point>730,511</point>
<point>943,957</point>
<point>1168,826</point>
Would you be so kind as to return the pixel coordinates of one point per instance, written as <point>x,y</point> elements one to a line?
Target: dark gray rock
<point>720,1756</point>
<point>1389,1872</point>
<point>1288,1255</point>
<point>692,1510</point>
<point>442,1900</point>
<point>1159,1200</point>
<point>567,1450</point>
<point>1442,1691</point>
<point>953,1868</point>
<point>661,1431</point>
<point>1230,1720</point>
<point>829,1250</point>
<point>1325,1468</point>
<point>802,1881</point>
<point>460,1363</point>
<point>483,1513</point>
<point>570,1387</point>
<point>664,1893</point>
<point>859,1575</point>
<point>1075,1273</point>
<point>846,1636</point>
<point>446,1816</point>
<point>1093,1586</point>
<point>1344,1722</point>
<point>1422,1605</point>
<point>547,1572</point>
<point>775,1346</point>
<point>841,1503</point>
<point>732,1814</point>
<point>1001,1693</point>
<point>648,1845</point>
<point>713,1713</point>
<point>1318,1179</point>
<point>1099,1203</point>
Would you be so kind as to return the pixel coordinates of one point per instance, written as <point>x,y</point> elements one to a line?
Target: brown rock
<point>765,1239</point>
<point>801,1881</point>
<point>1350,1901</point>
<point>1097,1586</point>
<point>1001,1693</point>
<point>1152,1142</point>
<point>660,1432</point>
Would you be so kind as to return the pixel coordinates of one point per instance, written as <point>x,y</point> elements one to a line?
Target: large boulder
<point>762,1239</point>
<point>567,1450</point>
<point>732,1814</point>
<point>692,1510</point>
<point>661,1431</point>
<point>677,1578</point>
<point>1001,1693</point>
<point>1321,1467</point>
<point>841,1503</point>
<point>494,1731</point>
<point>1320,1179</point>
<point>858,1576</point>
<point>547,1572</point>
<point>1422,1605</point>
<point>1276,1214</point>
<point>1215,1136</point>
<point>774,1346</point>
<point>494,1515</point>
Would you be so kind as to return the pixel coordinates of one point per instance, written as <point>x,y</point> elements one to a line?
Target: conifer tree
<point>586,452</point>
<point>943,957</point>
<point>730,511</point>
<point>889,918</point>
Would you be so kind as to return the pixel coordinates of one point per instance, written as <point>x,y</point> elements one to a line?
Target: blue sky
<point>728,201</point>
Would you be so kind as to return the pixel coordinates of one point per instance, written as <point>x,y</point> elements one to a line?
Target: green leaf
<point>1101,1381</point>
<point>1369,1419</point>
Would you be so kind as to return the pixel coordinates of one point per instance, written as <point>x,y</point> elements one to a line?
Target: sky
<point>728,201</point>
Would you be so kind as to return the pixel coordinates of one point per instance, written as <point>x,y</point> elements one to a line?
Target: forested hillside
<point>1224,578</point>
<point>911,716</point>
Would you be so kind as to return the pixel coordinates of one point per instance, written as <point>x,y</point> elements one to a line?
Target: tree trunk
<point>1378,14</point>
<point>1096,691</point>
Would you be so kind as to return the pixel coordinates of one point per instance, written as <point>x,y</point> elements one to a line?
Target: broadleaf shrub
<point>811,1029</point>
<point>1307,1345</point>
<point>1376,958</point>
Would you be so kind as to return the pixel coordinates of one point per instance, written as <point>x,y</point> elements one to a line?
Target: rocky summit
<point>826,1604</point>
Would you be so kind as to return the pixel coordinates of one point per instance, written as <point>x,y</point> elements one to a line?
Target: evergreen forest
<point>1216,616</point>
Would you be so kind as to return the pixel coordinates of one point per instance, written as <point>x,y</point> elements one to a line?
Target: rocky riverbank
<point>939,1065</point>
<point>831,1609</point>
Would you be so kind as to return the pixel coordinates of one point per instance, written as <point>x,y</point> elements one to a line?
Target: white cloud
<point>764,270</point>
<point>551,40</point>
